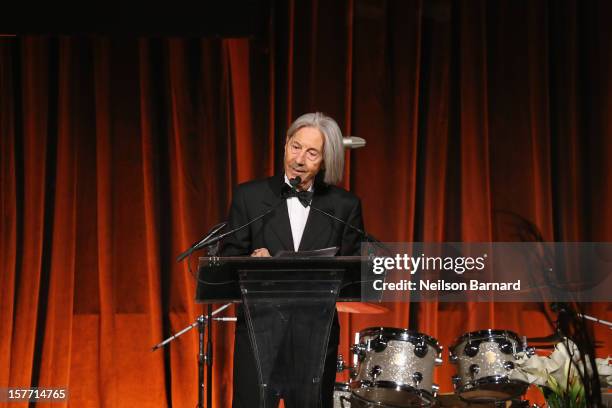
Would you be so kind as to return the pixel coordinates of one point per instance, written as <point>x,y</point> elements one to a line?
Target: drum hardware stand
<point>341,366</point>
<point>204,357</point>
<point>570,325</point>
<point>562,308</point>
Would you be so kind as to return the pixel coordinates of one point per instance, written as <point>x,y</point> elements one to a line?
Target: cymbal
<point>552,340</point>
<point>361,308</point>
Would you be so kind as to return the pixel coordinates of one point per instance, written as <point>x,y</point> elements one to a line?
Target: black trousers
<point>287,370</point>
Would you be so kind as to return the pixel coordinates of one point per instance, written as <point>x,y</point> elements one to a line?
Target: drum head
<point>493,391</point>
<point>391,397</point>
<point>393,333</point>
<point>486,335</point>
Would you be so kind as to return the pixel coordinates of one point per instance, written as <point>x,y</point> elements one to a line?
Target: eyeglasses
<point>311,154</point>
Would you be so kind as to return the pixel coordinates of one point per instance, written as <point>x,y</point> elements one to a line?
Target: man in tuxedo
<point>313,165</point>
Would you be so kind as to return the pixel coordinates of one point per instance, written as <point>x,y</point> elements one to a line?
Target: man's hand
<point>261,253</point>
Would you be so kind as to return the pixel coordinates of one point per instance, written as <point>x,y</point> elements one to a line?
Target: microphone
<point>214,240</point>
<point>295,181</point>
<point>210,238</point>
<point>354,228</point>
<point>365,235</point>
<point>202,243</point>
<point>353,142</point>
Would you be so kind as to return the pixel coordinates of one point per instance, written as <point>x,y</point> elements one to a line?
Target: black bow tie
<point>305,197</point>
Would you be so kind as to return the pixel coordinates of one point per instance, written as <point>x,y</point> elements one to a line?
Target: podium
<point>289,307</point>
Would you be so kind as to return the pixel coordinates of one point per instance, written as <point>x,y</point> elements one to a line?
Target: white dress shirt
<point>298,214</point>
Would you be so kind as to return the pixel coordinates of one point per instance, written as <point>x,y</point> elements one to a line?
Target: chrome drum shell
<point>485,360</point>
<point>395,367</point>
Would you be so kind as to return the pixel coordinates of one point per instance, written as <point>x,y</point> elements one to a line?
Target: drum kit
<point>394,368</point>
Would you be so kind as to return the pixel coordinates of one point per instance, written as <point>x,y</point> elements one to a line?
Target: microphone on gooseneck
<point>295,181</point>
<point>201,243</point>
<point>340,220</point>
<point>367,237</point>
<point>211,240</point>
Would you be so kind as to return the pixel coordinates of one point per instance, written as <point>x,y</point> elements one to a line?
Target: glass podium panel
<point>289,314</point>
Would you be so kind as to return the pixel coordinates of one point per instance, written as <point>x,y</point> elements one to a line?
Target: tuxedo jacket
<point>273,231</point>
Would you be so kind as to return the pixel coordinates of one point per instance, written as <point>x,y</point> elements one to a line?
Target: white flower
<point>561,367</point>
<point>531,369</point>
<point>561,373</point>
<point>567,358</point>
<point>604,368</point>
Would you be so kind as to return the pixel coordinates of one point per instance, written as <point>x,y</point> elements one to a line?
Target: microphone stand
<point>205,353</point>
<point>204,357</point>
<point>210,239</point>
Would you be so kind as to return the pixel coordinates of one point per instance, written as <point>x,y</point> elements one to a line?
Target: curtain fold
<point>10,215</point>
<point>32,171</point>
<point>485,121</point>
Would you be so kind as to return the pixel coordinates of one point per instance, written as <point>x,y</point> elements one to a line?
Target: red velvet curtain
<point>481,118</point>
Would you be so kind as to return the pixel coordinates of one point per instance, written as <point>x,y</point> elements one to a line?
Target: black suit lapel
<point>317,229</point>
<point>279,219</point>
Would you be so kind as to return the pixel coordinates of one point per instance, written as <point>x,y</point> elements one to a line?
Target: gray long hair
<point>333,150</point>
